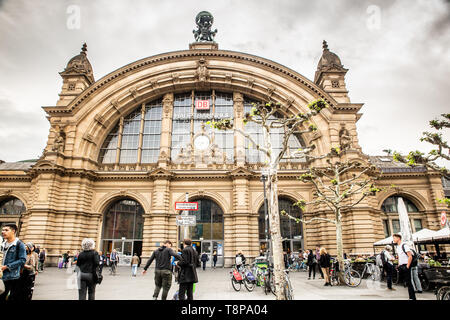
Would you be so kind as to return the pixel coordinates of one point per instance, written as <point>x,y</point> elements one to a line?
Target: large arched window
<point>188,119</point>
<point>391,222</point>
<point>12,206</point>
<point>253,155</point>
<point>11,210</point>
<point>291,231</point>
<point>209,221</point>
<point>136,138</point>
<point>123,227</point>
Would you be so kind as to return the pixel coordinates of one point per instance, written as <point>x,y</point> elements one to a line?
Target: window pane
<point>130,141</point>
<point>12,206</point>
<point>150,155</point>
<point>108,155</point>
<point>128,156</point>
<point>417,225</point>
<point>395,226</point>
<point>387,232</point>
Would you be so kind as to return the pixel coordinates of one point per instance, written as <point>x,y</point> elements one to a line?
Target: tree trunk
<point>340,247</point>
<point>277,248</point>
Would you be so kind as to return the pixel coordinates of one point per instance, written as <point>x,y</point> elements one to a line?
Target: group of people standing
<point>20,266</point>
<point>321,260</point>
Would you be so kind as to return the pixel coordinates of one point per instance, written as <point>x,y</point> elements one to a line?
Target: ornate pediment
<point>160,173</point>
<point>241,172</point>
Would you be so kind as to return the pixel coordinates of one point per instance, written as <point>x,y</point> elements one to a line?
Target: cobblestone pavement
<point>60,284</point>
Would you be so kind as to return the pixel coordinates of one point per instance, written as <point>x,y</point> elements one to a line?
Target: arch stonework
<point>96,111</point>
<point>102,204</point>
<point>420,202</point>
<point>214,196</point>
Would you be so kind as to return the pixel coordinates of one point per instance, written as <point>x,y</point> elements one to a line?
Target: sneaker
<point>155,298</point>
<point>393,289</point>
<point>309,278</point>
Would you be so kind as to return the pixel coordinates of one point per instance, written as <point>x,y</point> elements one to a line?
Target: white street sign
<point>186,220</point>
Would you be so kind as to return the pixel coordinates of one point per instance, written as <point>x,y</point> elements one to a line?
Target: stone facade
<point>67,191</point>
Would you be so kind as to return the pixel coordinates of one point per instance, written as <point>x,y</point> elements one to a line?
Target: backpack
<point>379,259</point>
<point>415,256</point>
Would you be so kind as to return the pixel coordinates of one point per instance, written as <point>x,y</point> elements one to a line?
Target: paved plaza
<point>60,284</point>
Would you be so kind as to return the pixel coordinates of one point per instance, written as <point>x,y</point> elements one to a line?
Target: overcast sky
<point>397,53</point>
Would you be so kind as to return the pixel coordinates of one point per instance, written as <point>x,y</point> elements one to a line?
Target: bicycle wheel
<point>272,284</point>
<point>288,291</point>
<point>352,278</point>
<point>440,293</point>
<point>446,295</point>
<point>235,284</point>
<point>335,279</point>
<point>249,285</point>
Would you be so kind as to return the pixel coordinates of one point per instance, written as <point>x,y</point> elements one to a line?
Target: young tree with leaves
<point>340,185</point>
<point>440,151</point>
<point>265,115</point>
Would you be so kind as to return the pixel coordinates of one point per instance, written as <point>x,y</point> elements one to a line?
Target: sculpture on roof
<point>204,21</point>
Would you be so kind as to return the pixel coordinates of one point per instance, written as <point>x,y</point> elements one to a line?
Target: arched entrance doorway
<point>291,232</point>
<point>207,235</point>
<point>123,229</point>
<point>11,209</point>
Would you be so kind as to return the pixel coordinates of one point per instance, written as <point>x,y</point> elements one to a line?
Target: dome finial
<point>84,48</point>
<point>325,45</point>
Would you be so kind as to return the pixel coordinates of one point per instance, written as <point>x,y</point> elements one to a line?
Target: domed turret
<point>330,75</point>
<point>77,76</point>
<point>80,65</point>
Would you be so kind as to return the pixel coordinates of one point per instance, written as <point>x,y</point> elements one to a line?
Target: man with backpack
<point>414,270</point>
<point>405,260</point>
<point>14,258</point>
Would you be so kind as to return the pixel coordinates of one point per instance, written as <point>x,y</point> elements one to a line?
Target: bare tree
<point>265,115</point>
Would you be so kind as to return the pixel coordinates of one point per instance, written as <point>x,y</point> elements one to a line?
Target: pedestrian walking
<point>312,262</point>
<point>87,263</point>
<point>325,263</point>
<point>113,261</point>
<point>405,259</point>
<point>14,258</point>
<point>134,265</point>
<point>41,260</point>
<point>28,275</point>
<point>101,260</point>
<point>163,268</point>
<point>188,273</point>
<point>415,270</point>
<point>214,259</point>
<point>317,259</point>
<point>387,260</point>
<point>65,257</point>
<point>204,259</point>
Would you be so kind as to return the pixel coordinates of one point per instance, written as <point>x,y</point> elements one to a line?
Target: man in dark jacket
<point>204,259</point>
<point>163,269</point>
<point>14,258</point>
<point>188,273</point>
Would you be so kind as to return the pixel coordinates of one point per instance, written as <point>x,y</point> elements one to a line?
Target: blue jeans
<point>134,269</point>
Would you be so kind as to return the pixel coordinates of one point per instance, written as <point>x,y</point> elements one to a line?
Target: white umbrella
<point>388,240</point>
<point>405,225</point>
<point>441,234</point>
<point>423,234</point>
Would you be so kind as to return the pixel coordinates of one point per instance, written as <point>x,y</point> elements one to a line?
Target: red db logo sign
<point>202,104</point>
<point>443,218</point>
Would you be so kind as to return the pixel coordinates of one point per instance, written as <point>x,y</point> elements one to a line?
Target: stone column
<point>239,140</point>
<point>166,130</point>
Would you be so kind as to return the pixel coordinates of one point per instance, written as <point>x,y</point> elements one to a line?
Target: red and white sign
<point>443,218</point>
<point>202,104</point>
<point>193,206</point>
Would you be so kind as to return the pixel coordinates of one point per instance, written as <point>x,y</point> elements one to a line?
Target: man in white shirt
<point>404,263</point>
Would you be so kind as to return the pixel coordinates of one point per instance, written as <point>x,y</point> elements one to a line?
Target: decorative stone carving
<point>175,78</point>
<point>134,93</point>
<point>167,104</point>
<point>202,72</point>
<point>250,82</point>
<point>270,91</point>
<point>345,138</point>
<point>60,139</point>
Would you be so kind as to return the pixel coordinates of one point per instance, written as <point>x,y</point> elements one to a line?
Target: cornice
<point>186,54</point>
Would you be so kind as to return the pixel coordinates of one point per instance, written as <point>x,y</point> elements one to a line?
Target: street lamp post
<point>266,215</point>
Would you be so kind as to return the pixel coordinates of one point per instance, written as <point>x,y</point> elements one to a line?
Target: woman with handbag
<point>28,274</point>
<point>87,263</point>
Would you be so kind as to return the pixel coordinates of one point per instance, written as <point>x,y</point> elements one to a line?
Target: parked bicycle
<point>372,270</point>
<point>236,278</point>
<point>248,277</point>
<point>298,265</point>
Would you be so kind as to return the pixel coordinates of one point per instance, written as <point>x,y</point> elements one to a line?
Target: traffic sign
<point>443,218</point>
<point>186,220</point>
<point>186,206</point>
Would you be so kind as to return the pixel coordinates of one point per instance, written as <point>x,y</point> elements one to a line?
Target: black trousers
<point>13,287</point>
<point>406,275</point>
<point>204,265</point>
<point>163,279</point>
<point>389,270</point>
<point>312,267</point>
<point>186,289</point>
<point>87,285</point>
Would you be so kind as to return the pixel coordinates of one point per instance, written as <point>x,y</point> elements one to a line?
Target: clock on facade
<point>201,142</point>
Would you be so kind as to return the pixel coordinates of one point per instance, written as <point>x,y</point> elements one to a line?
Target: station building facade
<point>123,149</point>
